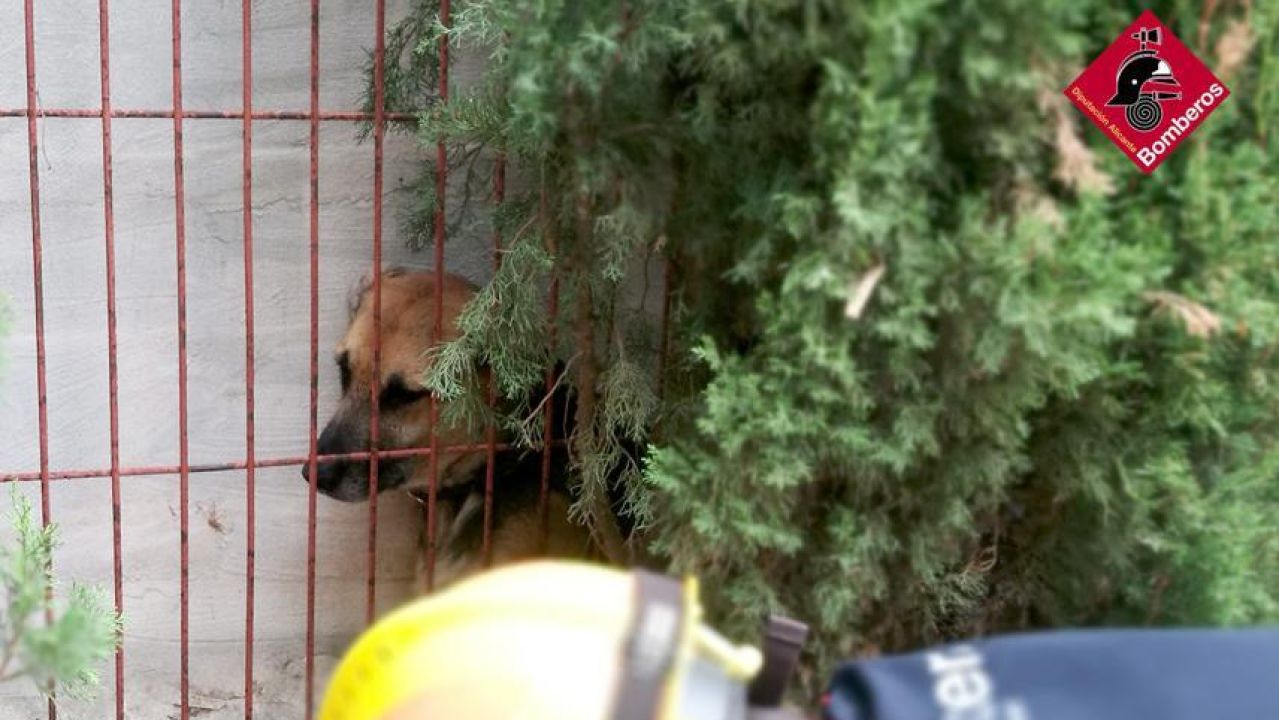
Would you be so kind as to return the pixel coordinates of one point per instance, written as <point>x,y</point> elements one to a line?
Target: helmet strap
<point>650,647</point>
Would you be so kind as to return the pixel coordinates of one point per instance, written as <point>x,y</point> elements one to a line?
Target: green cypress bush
<point>941,362</point>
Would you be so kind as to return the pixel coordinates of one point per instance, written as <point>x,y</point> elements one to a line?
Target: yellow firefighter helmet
<point>547,641</point>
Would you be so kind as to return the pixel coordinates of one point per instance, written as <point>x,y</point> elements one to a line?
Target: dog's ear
<point>355,298</point>
<point>360,290</point>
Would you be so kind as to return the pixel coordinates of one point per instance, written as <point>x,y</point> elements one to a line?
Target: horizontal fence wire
<point>165,114</point>
<point>283,461</point>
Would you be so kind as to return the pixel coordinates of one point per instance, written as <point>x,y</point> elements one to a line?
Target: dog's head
<point>404,414</point>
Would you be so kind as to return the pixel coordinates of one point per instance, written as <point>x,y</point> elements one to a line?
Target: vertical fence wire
<point>375,383</point>
<point>250,523</point>
<point>437,329</point>
<point>37,271</point>
<point>37,266</point>
<point>113,370</point>
<point>664,352</point>
<point>314,421</point>
<point>551,379</point>
<point>184,456</point>
<point>490,437</point>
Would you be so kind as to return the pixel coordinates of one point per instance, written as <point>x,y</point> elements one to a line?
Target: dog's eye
<point>344,368</point>
<point>398,394</point>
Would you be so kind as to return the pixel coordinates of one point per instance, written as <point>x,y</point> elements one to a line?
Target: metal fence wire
<point>250,462</point>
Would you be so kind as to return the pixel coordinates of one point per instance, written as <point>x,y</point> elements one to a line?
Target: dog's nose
<point>327,474</point>
<point>319,473</point>
<point>342,435</point>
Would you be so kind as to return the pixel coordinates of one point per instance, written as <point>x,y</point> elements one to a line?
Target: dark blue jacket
<point>1071,675</point>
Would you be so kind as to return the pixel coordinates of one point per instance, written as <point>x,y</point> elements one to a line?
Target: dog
<point>519,530</point>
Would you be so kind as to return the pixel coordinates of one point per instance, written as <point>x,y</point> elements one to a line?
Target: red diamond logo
<point>1147,92</point>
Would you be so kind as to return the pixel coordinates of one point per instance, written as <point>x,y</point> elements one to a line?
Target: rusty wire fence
<point>251,461</point>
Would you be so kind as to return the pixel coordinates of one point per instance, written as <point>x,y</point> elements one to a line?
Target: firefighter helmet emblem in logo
<point>1143,82</point>
<point>1130,93</point>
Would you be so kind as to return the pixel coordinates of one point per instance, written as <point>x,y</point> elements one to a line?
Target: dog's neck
<point>459,500</point>
<point>457,479</point>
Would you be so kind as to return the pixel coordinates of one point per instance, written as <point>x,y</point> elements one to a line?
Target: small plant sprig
<point>58,645</point>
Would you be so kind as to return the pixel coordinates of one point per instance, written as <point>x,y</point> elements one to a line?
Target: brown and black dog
<point>404,421</point>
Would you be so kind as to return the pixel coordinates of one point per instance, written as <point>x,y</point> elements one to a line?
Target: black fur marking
<point>397,393</point>
<point>344,369</point>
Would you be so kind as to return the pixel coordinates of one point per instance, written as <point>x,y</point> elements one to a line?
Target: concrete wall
<point>74,291</point>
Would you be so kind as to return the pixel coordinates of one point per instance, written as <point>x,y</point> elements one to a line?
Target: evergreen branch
<point>560,378</point>
<point>78,633</point>
<point>7,655</point>
<point>603,524</point>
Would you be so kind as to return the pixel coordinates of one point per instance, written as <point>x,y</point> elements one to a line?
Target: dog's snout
<point>328,473</point>
<point>334,476</point>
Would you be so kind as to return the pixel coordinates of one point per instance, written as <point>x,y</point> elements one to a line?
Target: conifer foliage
<point>61,651</point>
<point>939,361</point>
